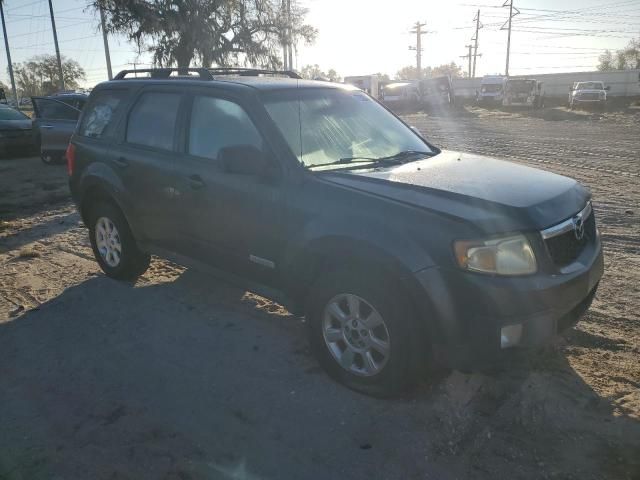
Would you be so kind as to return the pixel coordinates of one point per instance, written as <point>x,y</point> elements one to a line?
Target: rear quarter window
<point>99,117</point>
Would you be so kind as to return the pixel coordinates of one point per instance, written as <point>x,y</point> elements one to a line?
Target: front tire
<point>361,332</point>
<point>113,244</point>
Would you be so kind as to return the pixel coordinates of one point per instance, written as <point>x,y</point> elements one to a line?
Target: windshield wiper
<point>396,158</point>
<point>343,161</point>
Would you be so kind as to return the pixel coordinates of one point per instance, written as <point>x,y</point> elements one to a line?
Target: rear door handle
<point>121,162</point>
<point>196,182</point>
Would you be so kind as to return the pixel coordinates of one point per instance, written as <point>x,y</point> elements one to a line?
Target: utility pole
<point>55,41</point>
<point>469,56</point>
<point>417,29</point>
<point>106,44</point>
<point>6,45</point>
<point>475,39</point>
<point>509,3</point>
<point>289,36</point>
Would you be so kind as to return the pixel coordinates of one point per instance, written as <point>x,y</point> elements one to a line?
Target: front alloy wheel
<point>356,335</point>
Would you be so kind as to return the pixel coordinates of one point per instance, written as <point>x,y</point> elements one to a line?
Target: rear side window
<point>152,122</point>
<point>50,109</point>
<point>217,123</point>
<point>98,119</point>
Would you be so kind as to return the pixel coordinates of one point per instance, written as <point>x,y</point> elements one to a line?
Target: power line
<point>23,6</point>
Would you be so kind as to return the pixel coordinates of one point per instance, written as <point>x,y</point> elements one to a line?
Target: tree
<point>411,73</point>
<point>222,32</point>
<point>628,57</point>
<point>407,73</point>
<point>632,53</point>
<point>313,72</point>
<point>39,75</point>
<point>620,60</point>
<point>605,61</point>
<point>447,69</point>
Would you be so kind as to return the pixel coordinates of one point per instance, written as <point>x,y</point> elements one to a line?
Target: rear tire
<point>49,158</point>
<point>113,244</point>
<point>380,361</point>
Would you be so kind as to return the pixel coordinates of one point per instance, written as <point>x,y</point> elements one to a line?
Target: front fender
<point>328,240</point>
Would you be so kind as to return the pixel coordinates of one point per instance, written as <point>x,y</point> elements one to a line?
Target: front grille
<point>566,248</point>
<point>589,96</point>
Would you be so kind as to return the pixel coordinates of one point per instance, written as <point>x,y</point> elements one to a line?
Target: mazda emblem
<point>578,228</point>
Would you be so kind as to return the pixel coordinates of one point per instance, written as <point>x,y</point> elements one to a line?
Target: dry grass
<point>28,252</point>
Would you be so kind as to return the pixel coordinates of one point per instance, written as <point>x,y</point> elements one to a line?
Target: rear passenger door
<point>144,161</point>
<point>232,220</point>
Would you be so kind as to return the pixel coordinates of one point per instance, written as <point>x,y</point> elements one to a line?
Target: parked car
<point>401,255</point>
<point>524,92</point>
<point>491,91</point>
<point>436,92</point>
<point>588,94</point>
<point>401,95</point>
<point>54,120</point>
<point>16,133</point>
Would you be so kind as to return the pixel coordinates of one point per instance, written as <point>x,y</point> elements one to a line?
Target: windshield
<point>590,86</point>
<point>11,114</point>
<point>521,86</point>
<point>326,125</point>
<point>491,88</point>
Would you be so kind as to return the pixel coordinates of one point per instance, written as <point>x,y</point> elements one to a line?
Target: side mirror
<point>607,87</point>
<point>243,160</point>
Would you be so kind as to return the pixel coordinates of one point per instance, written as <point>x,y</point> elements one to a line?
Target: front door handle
<point>196,182</point>
<point>46,126</point>
<point>121,162</point>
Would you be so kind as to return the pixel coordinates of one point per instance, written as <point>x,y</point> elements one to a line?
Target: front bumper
<point>589,101</point>
<point>467,312</point>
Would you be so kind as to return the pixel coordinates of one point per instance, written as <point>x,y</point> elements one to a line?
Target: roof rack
<point>204,73</point>
<point>163,73</point>
<point>252,72</point>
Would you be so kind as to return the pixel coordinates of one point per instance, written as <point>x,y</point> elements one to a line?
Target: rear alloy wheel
<point>113,244</point>
<point>108,241</point>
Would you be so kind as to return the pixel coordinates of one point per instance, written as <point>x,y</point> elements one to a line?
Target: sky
<point>360,37</point>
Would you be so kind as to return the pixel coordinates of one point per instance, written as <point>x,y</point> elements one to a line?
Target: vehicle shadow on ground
<point>38,231</point>
<point>194,378</point>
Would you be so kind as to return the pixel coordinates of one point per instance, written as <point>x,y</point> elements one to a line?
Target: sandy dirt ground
<point>182,376</point>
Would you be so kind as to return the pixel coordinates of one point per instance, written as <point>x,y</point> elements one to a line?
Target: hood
<point>495,195</point>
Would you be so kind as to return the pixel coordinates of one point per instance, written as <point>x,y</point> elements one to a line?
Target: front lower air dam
<point>510,335</point>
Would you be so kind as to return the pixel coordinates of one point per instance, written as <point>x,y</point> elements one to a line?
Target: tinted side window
<point>152,121</point>
<point>56,110</point>
<point>97,120</point>
<point>217,123</point>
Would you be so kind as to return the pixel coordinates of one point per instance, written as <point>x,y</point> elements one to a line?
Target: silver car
<point>588,94</point>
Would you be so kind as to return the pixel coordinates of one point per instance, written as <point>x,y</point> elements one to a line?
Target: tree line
<point>623,59</point>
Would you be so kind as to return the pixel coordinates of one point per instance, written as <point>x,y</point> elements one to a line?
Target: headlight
<point>510,255</point>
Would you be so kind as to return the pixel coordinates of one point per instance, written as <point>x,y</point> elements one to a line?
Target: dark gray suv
<point>313,194</point>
